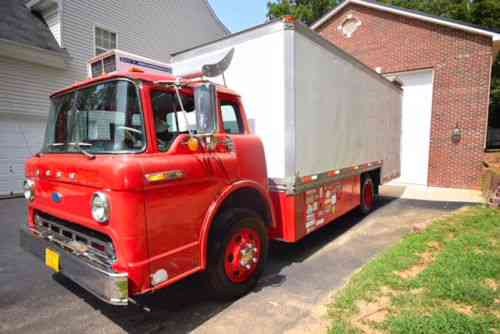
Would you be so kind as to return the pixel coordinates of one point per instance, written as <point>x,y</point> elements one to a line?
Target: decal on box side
<point>321,204</point>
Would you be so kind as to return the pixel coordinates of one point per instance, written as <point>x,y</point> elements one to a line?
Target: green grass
<point>450,295</point>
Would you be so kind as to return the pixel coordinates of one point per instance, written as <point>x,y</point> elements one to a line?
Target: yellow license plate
<point>52,259</point>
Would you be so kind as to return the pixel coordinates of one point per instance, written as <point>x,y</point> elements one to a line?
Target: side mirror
<point>205,101</point>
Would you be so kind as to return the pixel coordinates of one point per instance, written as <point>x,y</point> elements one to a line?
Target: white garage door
<point>20,138</point>
<point>416,126</point>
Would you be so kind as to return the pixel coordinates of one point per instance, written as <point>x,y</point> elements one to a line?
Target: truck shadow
<point>185,305</point>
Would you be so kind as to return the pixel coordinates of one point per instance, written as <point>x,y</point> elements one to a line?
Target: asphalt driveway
<point>298,278</point>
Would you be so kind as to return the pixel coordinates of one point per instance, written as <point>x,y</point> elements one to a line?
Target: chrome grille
<point>76,239</point>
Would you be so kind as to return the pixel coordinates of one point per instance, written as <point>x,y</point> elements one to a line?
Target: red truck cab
<point>124,199</point>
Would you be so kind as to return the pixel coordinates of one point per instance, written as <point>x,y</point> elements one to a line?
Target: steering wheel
<point>130,135</point>
<point>126,128</point>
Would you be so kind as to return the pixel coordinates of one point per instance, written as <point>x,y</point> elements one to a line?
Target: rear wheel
<point>368,194</point>
<point>237,253</point>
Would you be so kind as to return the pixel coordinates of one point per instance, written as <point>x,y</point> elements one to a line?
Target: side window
<point>231,118</point>
<point>169,119</point>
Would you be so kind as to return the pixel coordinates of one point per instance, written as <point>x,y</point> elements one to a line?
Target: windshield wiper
<point>78,144</point>
<point>80,149</point>
<point>57,144</point>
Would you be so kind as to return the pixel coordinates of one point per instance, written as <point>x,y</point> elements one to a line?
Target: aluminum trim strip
<point>297,185</point>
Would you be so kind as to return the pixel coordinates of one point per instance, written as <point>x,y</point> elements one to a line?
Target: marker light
<point>100,207</point>
<point>193,144</point>
<point>29,190</point>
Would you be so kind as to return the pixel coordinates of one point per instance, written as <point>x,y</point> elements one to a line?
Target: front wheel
<point>367,195</point>
<point>237,253</point>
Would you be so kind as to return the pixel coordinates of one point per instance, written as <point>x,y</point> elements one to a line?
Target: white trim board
<point>494,36</point>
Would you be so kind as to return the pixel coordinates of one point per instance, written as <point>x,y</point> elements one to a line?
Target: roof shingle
<point>19,24</point>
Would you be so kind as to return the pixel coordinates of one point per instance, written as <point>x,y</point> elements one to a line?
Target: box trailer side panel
<point>345,114</point>
<point>257,72</point>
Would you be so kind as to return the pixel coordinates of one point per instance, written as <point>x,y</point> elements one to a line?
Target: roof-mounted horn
<point>212,70</point>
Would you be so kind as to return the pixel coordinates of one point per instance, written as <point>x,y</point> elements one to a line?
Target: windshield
<point>103,118</point>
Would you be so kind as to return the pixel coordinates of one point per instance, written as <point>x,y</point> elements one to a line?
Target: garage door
<point>416,126</point>
<point>20,138</point>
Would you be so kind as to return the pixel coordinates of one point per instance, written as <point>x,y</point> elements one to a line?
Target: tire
<point>367,194</point>
<point>237,253</point>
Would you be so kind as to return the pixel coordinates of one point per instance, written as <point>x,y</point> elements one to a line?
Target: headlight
<point>100,207</point>
<point>29,190</point>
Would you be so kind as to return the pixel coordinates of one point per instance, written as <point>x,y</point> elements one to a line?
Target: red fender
<point>214,208</point>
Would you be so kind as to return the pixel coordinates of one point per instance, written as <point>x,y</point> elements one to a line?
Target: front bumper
<point>107,285</point>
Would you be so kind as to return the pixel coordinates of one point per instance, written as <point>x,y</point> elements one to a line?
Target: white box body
<point>316,108</point>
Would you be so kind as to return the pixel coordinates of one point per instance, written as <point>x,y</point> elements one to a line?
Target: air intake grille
<point>76,239</point>
<point>103,66</point>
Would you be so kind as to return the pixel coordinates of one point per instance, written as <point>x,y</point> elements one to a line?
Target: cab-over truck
<point>147,177</point>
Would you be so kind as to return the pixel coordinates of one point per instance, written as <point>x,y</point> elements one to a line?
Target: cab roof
<point>133,75</point>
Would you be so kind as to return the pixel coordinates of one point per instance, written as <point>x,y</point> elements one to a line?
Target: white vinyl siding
<point>26,87</point>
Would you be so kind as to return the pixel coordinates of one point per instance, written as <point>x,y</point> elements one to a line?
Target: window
<point>169,119</point>
<point>231,118</point>
<point>349,26</point>
<point>104,40</point>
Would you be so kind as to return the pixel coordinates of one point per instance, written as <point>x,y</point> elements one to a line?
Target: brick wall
<point>462,69</point>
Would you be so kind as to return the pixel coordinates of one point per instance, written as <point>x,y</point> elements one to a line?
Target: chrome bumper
<point>109,286</point>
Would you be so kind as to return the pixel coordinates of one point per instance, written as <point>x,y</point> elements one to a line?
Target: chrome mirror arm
<point>184,113</point>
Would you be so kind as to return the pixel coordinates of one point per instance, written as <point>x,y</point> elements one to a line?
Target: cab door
<point>176,204</point>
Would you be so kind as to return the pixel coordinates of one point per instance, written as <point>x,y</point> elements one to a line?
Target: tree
<point>307,11</point>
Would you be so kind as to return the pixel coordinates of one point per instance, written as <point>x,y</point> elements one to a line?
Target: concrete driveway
<point>298,280</point>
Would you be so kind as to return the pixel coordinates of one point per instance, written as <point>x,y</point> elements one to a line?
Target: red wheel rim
<point>368,194</point>
<point>242,255</point>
